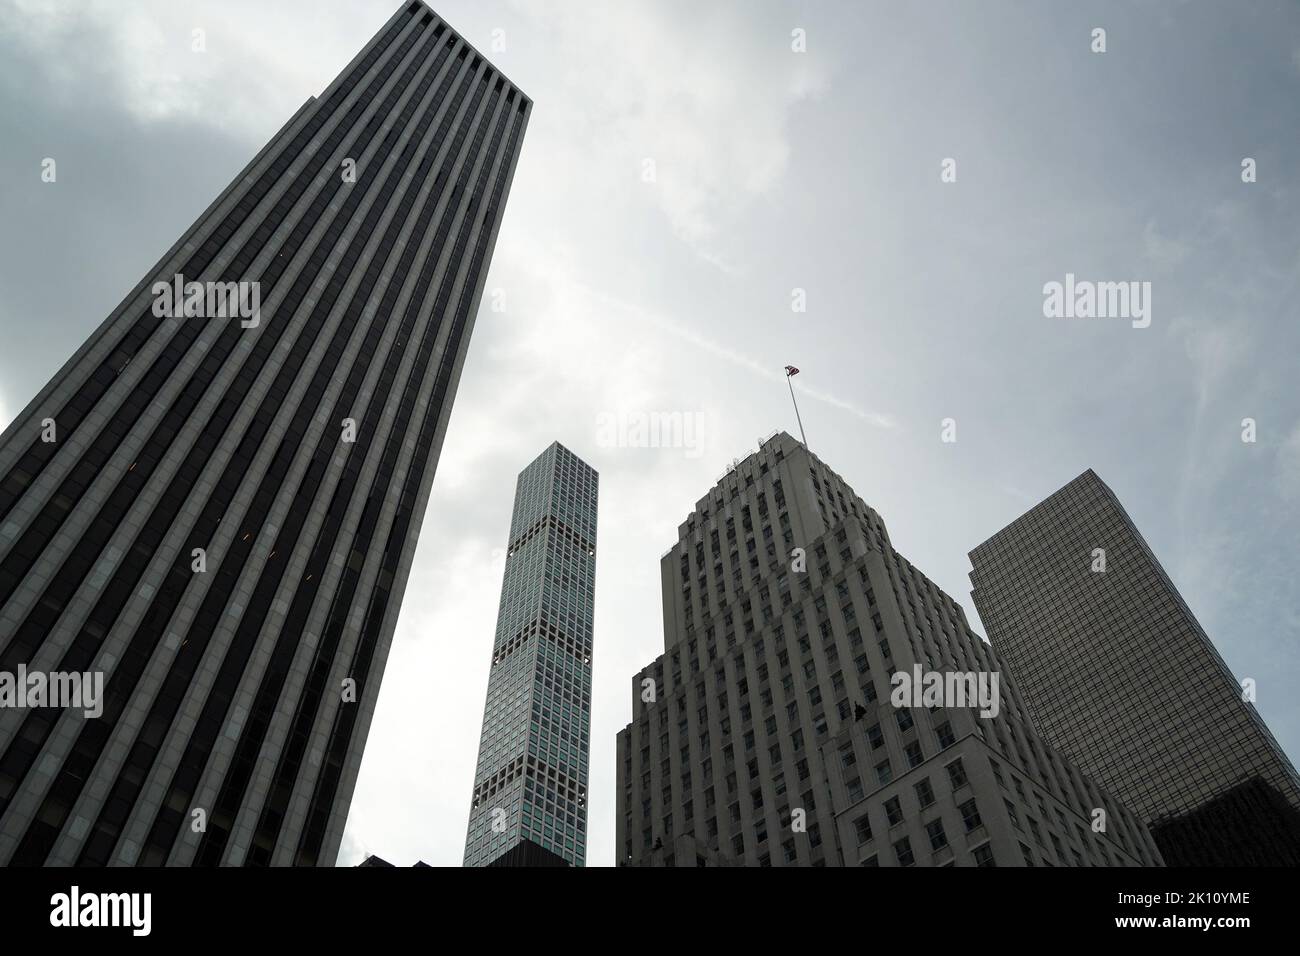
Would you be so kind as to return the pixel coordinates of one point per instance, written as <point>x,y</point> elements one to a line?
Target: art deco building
<point>1118,674</point>
<point>766,734</point>
<point>219,515</point>
<point>529,804</point>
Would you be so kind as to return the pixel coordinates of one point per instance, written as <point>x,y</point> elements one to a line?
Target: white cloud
<point>709,105</point>
<point>702,344</point>
<point>1215,349</point>
<point>145,51</point>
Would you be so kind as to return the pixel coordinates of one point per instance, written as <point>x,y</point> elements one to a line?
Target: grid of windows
<point>770,719</point>
<point>1071,587</point>
<point>531,779</point>
<point>222,682</point>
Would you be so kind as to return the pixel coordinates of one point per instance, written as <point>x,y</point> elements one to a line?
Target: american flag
<point>791,370</point>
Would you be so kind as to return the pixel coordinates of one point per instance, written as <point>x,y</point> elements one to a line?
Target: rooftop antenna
<point>791,372</point>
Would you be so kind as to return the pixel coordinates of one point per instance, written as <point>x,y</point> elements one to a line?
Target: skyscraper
<point>529,805</point>
<point>218,513</point>
<point>1118,674</point>
<point>770,733</point>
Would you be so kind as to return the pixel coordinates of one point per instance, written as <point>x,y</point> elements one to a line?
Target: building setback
<point>765,734</point>
<point>1117,673</point>
<point>224,522</point>
<point>529,804</point>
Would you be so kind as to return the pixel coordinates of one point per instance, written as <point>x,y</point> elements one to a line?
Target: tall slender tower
<point>1119,674</point>
<point>218,513</point>
<point>770,733</point>
<point>529,805</point>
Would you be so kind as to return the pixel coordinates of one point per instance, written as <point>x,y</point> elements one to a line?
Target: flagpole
<point>798,418</point>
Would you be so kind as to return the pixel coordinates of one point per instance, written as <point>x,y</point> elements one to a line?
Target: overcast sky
<point>774,170</point>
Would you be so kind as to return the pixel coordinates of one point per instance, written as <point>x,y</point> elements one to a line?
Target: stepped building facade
<point>771,731</point>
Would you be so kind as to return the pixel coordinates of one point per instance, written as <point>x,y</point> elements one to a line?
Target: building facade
<point>529,803</point>
<point>1117,673</point>
<point>769,733</point>
<point>217,514</point>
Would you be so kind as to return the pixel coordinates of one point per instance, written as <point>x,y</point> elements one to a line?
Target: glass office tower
<point>217,513</point>
<point>529,806</point>
<point>1118,673</point>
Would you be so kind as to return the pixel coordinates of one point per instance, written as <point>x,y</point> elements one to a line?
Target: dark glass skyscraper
<point>218,514</point>
<point>1118,674</point>
<point>529,806</point>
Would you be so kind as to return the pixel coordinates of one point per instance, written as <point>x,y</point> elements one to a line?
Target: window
<point>893,811</point>
<point>884,773</point>
<point>938,839</point>
<point>984,855</point>
<point>863,827</point>
<point>956,773</point>
<point>924,793</point>
<point>903,851</point>
<point>914,755</point>
<point>970,815</point>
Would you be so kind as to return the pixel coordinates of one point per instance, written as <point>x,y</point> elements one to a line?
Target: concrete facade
<point>766,734</point>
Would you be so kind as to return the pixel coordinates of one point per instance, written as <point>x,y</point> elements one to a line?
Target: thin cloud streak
<point>739,359</point>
